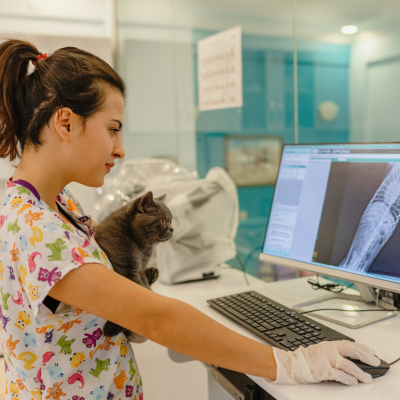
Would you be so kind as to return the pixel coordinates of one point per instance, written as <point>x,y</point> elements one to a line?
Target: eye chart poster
<point>220,70</point>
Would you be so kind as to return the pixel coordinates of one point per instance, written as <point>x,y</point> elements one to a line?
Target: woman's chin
<point>96,183</point>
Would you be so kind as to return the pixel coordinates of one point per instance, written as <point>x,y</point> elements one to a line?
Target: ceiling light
<point>349,29</point>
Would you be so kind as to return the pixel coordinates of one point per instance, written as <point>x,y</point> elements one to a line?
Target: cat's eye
<point>163,221</point>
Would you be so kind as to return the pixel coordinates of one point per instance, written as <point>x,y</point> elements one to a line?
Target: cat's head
<point>151,219</point>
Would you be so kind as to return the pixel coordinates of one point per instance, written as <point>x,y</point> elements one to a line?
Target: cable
<point>339,309</point>
<point>330,287</point>
<point>394,361</point>
<point>243,268</point>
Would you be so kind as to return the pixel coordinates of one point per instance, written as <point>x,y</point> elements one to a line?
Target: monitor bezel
<point>335,273</point>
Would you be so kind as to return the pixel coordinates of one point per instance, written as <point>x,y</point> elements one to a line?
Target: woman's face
<point>100,144</point>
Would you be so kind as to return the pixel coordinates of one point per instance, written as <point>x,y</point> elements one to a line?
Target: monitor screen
<point>338,207</point>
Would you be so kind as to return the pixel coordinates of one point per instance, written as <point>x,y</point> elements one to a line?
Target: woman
<point>58,287</point>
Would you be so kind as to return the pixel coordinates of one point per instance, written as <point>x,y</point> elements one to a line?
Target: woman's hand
<point>324,362</point>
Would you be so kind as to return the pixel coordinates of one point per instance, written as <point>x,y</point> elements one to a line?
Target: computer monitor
<point>336,211</point>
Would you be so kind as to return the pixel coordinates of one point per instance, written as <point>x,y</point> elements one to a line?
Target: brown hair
<point>69,77</point>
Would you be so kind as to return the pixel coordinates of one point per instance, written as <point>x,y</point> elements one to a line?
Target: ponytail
<point>69,77</point>
<point>14,60</point>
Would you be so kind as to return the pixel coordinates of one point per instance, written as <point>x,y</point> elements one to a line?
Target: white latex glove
<point>324,362</point>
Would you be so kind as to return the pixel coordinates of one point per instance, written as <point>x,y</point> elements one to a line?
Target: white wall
<point>88,18</point>
<point>51,24</point>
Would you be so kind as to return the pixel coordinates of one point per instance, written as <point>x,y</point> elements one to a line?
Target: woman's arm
<point>169,322</point>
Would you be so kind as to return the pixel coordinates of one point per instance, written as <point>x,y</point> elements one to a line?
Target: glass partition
<point>158,60</point>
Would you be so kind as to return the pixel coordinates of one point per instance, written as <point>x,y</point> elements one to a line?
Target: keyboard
<point>278,325</point>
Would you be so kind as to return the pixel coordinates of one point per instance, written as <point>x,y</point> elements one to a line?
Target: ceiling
<point>316,19</point>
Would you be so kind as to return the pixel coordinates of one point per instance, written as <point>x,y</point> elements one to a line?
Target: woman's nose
<point>118,150</point>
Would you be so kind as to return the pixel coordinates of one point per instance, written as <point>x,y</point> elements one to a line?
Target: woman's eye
<point>114,131</point>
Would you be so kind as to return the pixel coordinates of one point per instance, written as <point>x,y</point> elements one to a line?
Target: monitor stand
<point>366,300</point>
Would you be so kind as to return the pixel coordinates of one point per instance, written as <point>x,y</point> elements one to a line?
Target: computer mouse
<point>375,372</point>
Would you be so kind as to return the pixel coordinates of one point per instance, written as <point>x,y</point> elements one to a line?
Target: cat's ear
<point>146,202</point>
<point>162,198</point>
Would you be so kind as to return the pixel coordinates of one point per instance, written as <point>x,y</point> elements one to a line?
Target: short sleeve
<point>52,250</point>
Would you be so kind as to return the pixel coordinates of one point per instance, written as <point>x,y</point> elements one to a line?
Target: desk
<point>381,336</point>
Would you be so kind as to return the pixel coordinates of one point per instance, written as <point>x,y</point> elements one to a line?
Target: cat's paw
<point>135,338</point>
<point>151,274</point>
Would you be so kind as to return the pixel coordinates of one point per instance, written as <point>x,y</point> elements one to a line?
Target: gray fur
<point>128,236</point>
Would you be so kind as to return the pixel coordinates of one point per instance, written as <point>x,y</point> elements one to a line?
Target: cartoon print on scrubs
<point>62,355</point>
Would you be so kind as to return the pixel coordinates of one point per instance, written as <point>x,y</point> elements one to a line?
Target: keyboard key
<point>286,344</point>
<point>297,343</point>
<point>248,321</point>
<point>255,325</point>
<point>308,330</point>
<point>276,325</point>
<point>284,323</point>
<point>292,348</point>
<point>281,333</point>
<point>261,328</point>
<point>300,332</point>
<point>268,326</point>
<point>317,328</point>
<point>308,336</point>
<point>235,313</point>
<point>278,339</point>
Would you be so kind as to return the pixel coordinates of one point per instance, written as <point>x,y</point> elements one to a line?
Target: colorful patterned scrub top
<point>53,350</point>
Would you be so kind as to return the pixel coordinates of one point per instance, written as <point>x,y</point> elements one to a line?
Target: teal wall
<point>323,71</point>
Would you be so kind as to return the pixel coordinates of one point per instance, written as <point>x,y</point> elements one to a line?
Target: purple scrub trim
<point>28,186</point>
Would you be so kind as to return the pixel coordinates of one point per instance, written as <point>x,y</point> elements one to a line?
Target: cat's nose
<point>171,229</point>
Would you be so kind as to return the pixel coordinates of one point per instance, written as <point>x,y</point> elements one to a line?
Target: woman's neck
<point>42,175</point>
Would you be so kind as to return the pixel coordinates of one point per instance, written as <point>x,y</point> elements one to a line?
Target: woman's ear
<point>62,123</point>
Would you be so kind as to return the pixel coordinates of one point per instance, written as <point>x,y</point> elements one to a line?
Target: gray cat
<point>128,236</point>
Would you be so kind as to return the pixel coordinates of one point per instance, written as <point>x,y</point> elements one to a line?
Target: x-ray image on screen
<point>360,216</point>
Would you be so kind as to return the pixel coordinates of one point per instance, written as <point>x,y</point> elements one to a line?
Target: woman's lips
<point>109,166</point>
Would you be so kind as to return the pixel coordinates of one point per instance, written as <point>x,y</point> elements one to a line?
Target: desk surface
<point>384,336</point>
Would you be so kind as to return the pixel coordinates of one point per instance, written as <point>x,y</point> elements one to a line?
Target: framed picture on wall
<point>253,160</point>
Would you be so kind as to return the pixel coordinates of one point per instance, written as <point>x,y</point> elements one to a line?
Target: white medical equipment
<point>205,215</point>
